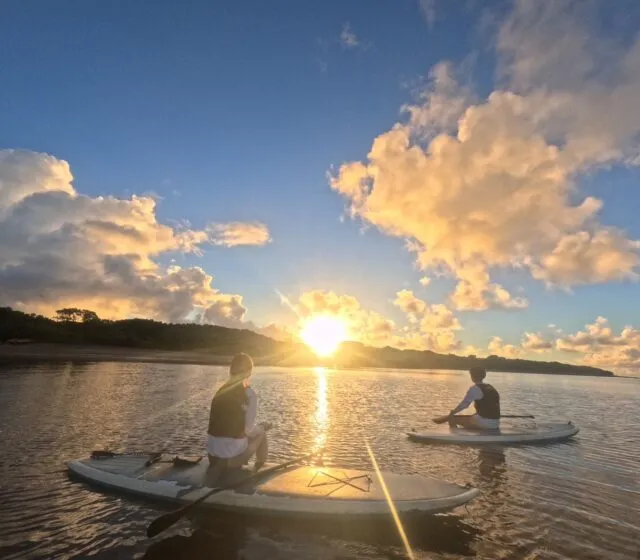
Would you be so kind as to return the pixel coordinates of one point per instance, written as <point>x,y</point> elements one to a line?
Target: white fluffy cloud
<point>596,345</point>
<point>475,292</point>
<point>475,185</point>
<point>239,233</point>
<point>413,306</point>
<point>429,327</point>
<point>432,327</point>
<point>536,342</point>
<point>366,326</point>
<point>60,248</point>
<point>277,332</point>
<point>499,348</point>
<point>600,346</point>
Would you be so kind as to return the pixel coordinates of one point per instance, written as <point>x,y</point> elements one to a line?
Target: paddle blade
<point>163,522</point>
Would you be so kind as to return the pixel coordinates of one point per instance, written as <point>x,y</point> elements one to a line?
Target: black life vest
<point>227,415</point>
<point>489,405</point>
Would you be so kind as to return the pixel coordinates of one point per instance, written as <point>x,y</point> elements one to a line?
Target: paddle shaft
<point>106,454</point>
<point>501,416</point>
<point>165,521</point>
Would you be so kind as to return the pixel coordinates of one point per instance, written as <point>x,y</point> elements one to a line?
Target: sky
<point>454,176</point>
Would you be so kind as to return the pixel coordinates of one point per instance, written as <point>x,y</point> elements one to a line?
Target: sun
<point>323,334</point>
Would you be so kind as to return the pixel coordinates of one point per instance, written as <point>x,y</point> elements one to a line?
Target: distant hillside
<point>355,354</point>
<point>79,326</point>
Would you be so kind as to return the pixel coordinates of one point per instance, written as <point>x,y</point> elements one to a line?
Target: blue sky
<point>235,112</point>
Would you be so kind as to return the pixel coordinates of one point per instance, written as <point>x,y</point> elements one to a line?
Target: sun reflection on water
<point>321,416</point>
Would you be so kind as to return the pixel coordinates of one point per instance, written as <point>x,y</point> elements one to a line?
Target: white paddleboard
<point>298,490</point>
<point>541,433</point>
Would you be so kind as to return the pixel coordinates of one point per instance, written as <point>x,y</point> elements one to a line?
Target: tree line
<point>83,326</point>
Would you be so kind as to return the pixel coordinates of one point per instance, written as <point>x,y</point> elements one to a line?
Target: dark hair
<point>242,364</point>
<point>477,374</point>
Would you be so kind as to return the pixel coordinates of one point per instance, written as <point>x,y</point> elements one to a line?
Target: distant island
<point>80,335</point>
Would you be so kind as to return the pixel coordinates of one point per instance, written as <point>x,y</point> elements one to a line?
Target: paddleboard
<point>508,435</point>
<point>309,491</point>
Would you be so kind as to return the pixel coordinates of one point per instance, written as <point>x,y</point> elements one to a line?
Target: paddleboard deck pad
<point>541,433</point>
<point>307,491</point>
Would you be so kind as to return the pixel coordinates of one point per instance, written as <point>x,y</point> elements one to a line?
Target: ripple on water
<point>579,499</point>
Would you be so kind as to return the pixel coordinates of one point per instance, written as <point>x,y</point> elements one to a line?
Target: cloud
<point>227,311</point>
<point>499,348</point>
<point>428,10</point>
<point>432,327</point>
<point>368,327</point>
<point>536,342</point>
<point>596,335</point>
<point>475,292</point>
<point>425,281</point>
<point>588,258</point>
<point>413,306</point>
<point>59,248</point>
<point>348,38</point>
<point>233,234</point>
<point>429,327</point>
<point>600,346</point>
<point>477,185</point>
<point>471,350</point>
<point>277,332</point>
<point>554,43</point>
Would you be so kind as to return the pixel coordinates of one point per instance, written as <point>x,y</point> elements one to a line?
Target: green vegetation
<point>388,357</point>
<point>84,327</point>
<point>81,326</point>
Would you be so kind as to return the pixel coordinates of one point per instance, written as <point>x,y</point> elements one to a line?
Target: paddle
<point>443,419</point>
<point>106,454</point>
<point>165,521</point>
<point>154,456</point>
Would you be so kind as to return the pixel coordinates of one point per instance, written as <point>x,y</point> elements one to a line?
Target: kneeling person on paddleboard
<point>486,401</point>
<point>234,436</point>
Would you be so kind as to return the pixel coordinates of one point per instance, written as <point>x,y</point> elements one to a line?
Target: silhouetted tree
<point>89,316</point>
<point>69,315</point>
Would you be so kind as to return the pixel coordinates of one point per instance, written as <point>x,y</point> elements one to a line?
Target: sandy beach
<point>39,352</point>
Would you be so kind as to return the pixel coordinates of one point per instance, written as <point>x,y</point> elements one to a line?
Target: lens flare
<point>323,334</point>
<point>392,507</point>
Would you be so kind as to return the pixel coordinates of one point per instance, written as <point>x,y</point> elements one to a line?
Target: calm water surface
<point>579,499</point>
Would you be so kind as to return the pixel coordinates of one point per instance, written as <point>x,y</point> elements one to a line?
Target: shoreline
<point>53,352</point>
<point>82,353</point>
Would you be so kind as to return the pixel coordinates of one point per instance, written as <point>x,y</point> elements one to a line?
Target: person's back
<point>486,401</point>
<point>227,418</point>
<point>489,405</point>
<point>233,435</point>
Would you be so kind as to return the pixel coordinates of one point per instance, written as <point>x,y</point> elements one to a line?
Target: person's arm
<point>251,429</point>
<point>472,395</point>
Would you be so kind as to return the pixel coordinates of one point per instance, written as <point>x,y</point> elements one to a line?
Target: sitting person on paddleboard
<point>234,436</point>
<point>487,404</point>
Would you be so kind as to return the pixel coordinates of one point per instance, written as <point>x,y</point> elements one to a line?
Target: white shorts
<point>485,423</point>
<point>226,448</point>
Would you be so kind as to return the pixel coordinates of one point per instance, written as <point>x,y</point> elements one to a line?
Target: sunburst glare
<point>323,334</point>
